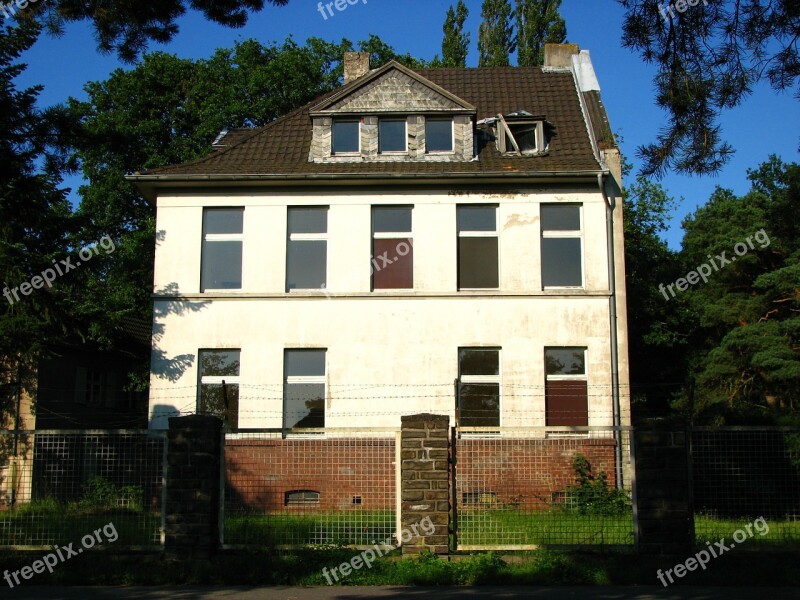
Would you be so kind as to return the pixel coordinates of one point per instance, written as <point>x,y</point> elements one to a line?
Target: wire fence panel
<point>740,474</point>
<point>295,491</point>
<point>57,486</point>
<point>550,486</point>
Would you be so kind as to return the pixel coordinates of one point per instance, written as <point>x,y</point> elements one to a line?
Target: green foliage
<point>590,495</point>
<point>745,356</point>
<point>709,59</point>
<point>455,44</point>
<point>101,494</point>
<point>538,23</point>
<point>495,34</point>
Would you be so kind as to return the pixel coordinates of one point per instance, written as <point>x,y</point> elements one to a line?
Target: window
<point>392,248</point>
<point>566,387</point>
<point>439,135</point>
<point>562,251</point>
<point>307,249</point>
<point>392,135</point>
<point>346,137</point>
<point>520,136</point>
<point>222,249</point>
<point>219,386</point>
<point>300,497</point>
<point>304,389</point>
<point>479,387</point>
<point>477,247</point>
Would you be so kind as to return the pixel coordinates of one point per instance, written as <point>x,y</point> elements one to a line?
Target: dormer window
<point>438,135</point>
<point>392,136</point>
<point>521,134</point>
<point>346,137</point>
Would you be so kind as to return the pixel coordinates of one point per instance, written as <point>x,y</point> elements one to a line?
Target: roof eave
<point>150,184</point>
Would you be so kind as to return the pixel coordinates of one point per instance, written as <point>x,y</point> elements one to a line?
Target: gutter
<point>612,279</point>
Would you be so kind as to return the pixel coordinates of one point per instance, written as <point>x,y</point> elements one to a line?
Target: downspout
<point>612,279</point>
<point>16,438</point>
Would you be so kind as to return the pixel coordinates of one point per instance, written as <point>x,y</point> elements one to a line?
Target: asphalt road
<point>356,593</point>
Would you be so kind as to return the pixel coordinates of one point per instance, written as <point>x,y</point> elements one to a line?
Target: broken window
<point>521,133</point>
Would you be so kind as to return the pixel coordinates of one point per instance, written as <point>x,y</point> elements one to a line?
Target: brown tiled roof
<point>282,147</point>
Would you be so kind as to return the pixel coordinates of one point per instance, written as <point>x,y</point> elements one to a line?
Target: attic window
<point>520,134</point>
<point>346,137</point>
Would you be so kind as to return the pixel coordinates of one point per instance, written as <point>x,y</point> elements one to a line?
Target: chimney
<point>356,64</point>
<point>559,56</point>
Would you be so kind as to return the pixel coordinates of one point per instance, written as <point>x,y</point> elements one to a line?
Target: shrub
<point>590,495</point>
<point>101,494</point>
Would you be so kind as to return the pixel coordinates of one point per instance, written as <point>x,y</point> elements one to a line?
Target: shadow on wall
<point>162,366</point>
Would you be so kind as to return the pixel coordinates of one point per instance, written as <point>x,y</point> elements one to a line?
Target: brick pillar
<point>194,459</point>
<point>425,476</point>
<point>665,520</point>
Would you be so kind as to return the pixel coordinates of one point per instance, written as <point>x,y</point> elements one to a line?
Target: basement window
<point>300,497</point>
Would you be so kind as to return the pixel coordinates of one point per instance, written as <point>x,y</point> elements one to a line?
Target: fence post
<point>193,500</point>
<point>664,512</point>
<point>425,483</point>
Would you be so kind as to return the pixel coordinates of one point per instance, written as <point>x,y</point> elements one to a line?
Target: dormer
<point>519,133</point>
<point>391,114</point>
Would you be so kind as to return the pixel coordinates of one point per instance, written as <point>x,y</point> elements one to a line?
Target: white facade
<point>388,353</point>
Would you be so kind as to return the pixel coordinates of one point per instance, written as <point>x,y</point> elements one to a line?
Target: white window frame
<point>565,234</point>
<point>571,377</point>
<point>304,379</point>
<point>405,136</point>
<point>452,136</point>
<point>507,142</point>
<point>477,379</point>
<point>222,237</point>
<point>356,120</point>
<point>390,235</point>
<point>217,379</point>
<point>480,234</point>
<point>307,237</point>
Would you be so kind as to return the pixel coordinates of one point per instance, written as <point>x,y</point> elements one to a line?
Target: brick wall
<point>260,472</point>
<point>530,473</point>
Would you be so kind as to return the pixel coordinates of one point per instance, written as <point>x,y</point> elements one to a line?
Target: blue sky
<point>766,123</point>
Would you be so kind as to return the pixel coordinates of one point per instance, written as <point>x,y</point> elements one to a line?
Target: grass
<point>711,529</point>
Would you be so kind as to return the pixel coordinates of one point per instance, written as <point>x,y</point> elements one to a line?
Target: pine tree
<point>455,44</point>
<point>538,22</point>
<point>496,34</point>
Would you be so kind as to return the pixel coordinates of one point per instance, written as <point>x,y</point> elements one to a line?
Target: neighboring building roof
<point>281,148</point>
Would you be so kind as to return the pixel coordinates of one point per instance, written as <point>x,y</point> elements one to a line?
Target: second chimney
<point>559,55</point>
<point>356,64</point>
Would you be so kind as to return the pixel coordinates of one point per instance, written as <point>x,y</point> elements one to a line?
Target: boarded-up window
<point>566,388</point>
<point>392,248</point>
<point>478,255</point>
